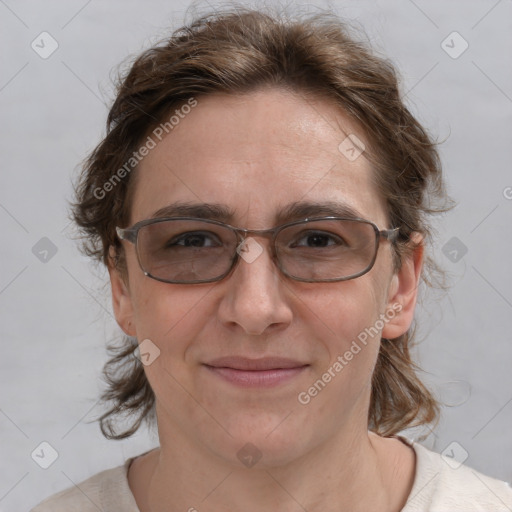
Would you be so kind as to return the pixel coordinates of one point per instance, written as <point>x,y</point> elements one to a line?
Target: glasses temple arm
<point>127,234</point>
<point>390,234</point>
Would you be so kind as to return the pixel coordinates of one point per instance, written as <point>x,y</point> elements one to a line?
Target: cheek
<point>344,310</point>
<point>169,315</point>
<point>348,330</point>
<point>173,320</point>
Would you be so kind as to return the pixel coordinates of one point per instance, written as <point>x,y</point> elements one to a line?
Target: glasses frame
<point>131,235</point>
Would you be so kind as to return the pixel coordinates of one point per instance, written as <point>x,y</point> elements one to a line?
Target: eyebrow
<point>297,210</point>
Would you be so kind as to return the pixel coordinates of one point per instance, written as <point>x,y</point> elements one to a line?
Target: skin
<point>256,153</point>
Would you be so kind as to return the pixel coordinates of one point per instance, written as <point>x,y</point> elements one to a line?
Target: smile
<point>266,372</point>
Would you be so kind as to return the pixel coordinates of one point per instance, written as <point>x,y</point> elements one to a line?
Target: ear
<point>121,299</point>
<point>403,290</point>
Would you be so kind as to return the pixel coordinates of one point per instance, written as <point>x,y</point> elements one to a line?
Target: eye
<point>195,239</point>
<point>318,239</point>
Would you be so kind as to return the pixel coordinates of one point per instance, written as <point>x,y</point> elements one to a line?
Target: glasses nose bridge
<point>243,234</point>
<point>265,233</point>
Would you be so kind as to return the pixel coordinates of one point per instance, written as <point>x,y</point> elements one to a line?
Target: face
<point>255,154</point>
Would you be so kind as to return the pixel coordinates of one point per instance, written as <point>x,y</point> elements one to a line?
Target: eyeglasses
<point>186,250</point>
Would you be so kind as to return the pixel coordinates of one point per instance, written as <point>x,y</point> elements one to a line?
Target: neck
<point>352,472</point>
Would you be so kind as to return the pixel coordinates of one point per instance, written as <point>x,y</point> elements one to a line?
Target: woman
<point>260,201</point>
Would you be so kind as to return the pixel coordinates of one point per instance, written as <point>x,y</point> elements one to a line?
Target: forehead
<point>257,153</point>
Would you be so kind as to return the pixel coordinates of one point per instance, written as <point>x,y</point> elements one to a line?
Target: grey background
<point>55,316</point>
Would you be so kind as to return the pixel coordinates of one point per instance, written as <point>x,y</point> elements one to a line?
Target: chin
<point>260,443</point>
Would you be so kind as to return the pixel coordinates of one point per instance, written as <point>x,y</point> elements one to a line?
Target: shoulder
<point>442,484</point>
<point>107,490</point>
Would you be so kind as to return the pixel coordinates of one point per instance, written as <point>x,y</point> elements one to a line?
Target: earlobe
<point>404,290</point>
<point>121,298</point>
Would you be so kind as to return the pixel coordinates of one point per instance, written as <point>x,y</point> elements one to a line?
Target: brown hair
<point>236,52</point>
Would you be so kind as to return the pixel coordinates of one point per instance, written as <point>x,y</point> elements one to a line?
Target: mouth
<point>265,372</point>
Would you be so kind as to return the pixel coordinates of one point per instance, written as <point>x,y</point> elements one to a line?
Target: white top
<point>440,485</point>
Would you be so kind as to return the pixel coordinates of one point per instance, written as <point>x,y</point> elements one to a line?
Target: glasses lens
<point>185,250</point>
<point>327,249</point>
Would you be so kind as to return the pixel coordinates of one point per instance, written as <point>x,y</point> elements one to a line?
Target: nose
<point>254,295</point>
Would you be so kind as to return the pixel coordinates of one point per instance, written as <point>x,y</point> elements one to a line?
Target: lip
<point>264,372</point>
<point>264,363</point>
